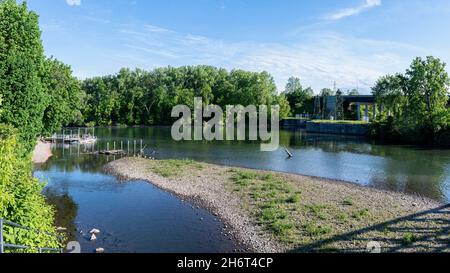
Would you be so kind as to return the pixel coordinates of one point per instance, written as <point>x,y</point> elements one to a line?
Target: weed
<point>409,239</point>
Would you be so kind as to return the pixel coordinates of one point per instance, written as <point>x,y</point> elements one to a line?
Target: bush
<point>21,200</point>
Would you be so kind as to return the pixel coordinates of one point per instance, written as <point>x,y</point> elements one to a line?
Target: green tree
<point>418,99</point>
<point>353,92</point>
<point>147,97</point>
<point>65,97</point>
<point>22,65</point>
<point>285,109</point>
<point>326,92</point>
<point>298,96</point>
<point>426,85</point>
<point>388,91</point>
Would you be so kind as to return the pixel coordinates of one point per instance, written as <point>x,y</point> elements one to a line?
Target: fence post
<point>1,237</point>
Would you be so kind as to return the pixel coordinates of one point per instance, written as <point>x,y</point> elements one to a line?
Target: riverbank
<point>278,212</point>
<point>42,152</point>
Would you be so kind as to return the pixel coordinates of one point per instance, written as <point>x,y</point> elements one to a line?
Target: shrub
<point>21,200</point>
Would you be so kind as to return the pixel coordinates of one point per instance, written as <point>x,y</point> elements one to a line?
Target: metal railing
<point>4,246</point>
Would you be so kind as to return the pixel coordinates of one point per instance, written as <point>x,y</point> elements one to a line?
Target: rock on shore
<point>42,152</point>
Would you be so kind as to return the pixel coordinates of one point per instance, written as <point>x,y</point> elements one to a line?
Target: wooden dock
<point>85,138</point>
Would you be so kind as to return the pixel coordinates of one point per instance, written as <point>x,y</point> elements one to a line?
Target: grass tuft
<point>409,239</point>
<point>315,230</point>
<point>171,168</point>
<point>348,202</point>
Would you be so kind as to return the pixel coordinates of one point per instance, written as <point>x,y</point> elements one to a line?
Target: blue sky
<point>352,42</point>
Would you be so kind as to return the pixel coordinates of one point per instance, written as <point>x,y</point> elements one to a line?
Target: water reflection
<point>401,168</point>
<point>66,211</point>
<point>132,216</point>
<point>87,198</point>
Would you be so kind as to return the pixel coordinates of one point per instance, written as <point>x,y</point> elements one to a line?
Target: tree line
<point>139,97</point>
<point>415,104</point>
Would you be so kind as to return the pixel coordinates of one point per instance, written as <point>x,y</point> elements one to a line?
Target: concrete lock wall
<point>337,128</point>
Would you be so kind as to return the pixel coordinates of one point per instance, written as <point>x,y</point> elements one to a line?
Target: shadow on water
<point>66,211</point>
<point>133,216</point>
<point>430,229</point>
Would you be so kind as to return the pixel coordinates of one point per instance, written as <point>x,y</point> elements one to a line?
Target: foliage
<point>353,92</point>
<point>417,102</point>
<point>326,92</point>
<point>39,95</point>
<point>21,200</point>
<point>300,99</point>
<point>340,115</point>
<point>147,97</point>
<point>21,68</point>
<point>65,97</point>
<point>285,108</point>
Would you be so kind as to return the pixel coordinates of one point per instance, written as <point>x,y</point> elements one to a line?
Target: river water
<point>137,217</point>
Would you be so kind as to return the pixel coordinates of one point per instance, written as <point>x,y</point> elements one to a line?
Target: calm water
<point>132,216</point>
<point>400,168</point>
<point>137,217</point>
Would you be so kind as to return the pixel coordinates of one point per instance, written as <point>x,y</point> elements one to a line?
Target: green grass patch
<point>361,214</point>
<point>171,167</point>
<point>409,239</point>
<point>315,230</point>
<point>318,210</point>
<point>342,216</point>
<point>273,198</point>
<point>281,228</point>
<point>271,214</point>
<point>295,198</point>
<point>348,202</point>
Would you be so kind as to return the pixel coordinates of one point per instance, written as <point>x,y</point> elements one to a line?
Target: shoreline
<point>42,152</point>
<point>321,212</point>
<point>236,226</point>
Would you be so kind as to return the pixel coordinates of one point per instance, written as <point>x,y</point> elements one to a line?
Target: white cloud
<point>152,28</point>
<point>318,60</point>
<point>354,11</point>
<point>73,2</point>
